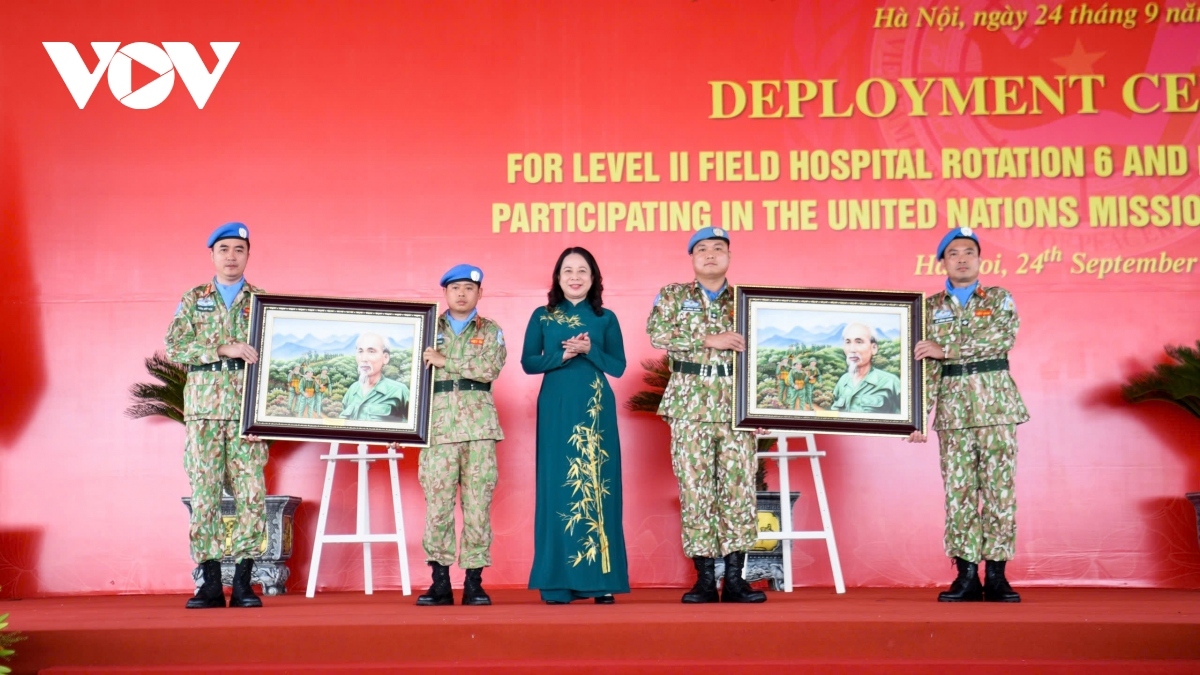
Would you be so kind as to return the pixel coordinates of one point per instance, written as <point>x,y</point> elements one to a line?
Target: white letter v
<point>74,74</point>
<point>199,82</point>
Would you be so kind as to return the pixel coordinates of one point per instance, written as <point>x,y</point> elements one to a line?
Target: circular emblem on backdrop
<point>243,233</point>
<point>1048,50</point>
<point>475,276</point>
<point>120,75</point>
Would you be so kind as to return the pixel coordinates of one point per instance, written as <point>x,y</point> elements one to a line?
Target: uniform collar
<point>459,326</point>
<point>697,287</point>
<point>211,287</point>
<point>979,292</point>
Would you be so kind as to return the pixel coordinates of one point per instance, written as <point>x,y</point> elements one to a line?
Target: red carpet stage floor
<point>1054,630</point>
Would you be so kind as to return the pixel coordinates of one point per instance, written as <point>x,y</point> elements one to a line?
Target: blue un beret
<point>707,233</point>
<point>229,231</point>
<point>957,233</point>
<point>463,272</point>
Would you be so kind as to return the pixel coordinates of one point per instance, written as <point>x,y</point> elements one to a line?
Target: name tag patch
<point>983,312</point>
<point>476,341</point>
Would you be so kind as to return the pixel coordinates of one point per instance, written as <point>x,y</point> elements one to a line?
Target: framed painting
<point>339,370</point>
<point>829,361</point>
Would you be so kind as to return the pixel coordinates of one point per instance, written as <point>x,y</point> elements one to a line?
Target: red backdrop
<point>367,146</point>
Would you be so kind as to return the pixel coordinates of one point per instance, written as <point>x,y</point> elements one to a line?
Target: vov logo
<point>171,58</point>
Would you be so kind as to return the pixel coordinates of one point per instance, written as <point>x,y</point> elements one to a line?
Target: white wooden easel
<point>362,534</point>
<point>786,533</point>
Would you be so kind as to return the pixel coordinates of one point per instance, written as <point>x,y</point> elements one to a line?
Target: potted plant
<point>164,398</point>
<point>765,560</point>
<point>1177,382</point>
<point>7,640</point>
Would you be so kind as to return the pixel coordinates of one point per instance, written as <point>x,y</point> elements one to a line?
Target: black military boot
<point>243,595</point>
<point>735,588</point>
<point>995,586</point>
<point>439,592</point>
<point>210,593</point>
<point>705,589</point>
<point>473,593</point>
<point>966,587</point>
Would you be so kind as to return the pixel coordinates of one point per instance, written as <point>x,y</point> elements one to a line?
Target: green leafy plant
<point>7,640</point>
<point>657,374</point>
<point>1177,382</point>
<point>164,398</point>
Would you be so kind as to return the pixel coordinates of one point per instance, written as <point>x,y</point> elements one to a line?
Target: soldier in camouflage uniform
<point>798,377</point>
<point>322,381</point>
<point>208,336</point>
<point>464,428</point>
<point>294,391</point>
<point>783,380</point>
<point>308,394</point>
<point>714,463</point>
<point>811,373</point>
<point>969,332</point>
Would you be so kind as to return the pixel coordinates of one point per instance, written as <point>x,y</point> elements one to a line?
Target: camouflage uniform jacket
<point>680,320</point>
<point>477,353</point>
<point>983,330</point>
<point>201,324</point>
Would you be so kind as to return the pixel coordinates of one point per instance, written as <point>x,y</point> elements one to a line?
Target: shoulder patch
<point>500,337</point>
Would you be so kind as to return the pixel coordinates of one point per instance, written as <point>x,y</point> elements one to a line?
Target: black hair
<point>595,293</point>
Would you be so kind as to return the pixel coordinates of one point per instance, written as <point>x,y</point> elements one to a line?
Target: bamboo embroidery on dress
<point>559,316</point>
<point>587,487</point>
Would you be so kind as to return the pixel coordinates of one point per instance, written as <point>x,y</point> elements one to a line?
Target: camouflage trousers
<point>981,505</point>
<point>442,470</point>
<point>215,451</point>
<point>715,468</point>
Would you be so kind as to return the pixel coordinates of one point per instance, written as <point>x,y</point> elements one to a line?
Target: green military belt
<point>701,369</point>
<point>218,366</point>
<point>958,369</point>
<point>442,386</point>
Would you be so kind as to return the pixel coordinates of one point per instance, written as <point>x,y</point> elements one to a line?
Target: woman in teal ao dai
<point>579,541</point>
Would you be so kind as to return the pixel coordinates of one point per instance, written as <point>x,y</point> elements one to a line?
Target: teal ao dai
<point>579,541</point>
